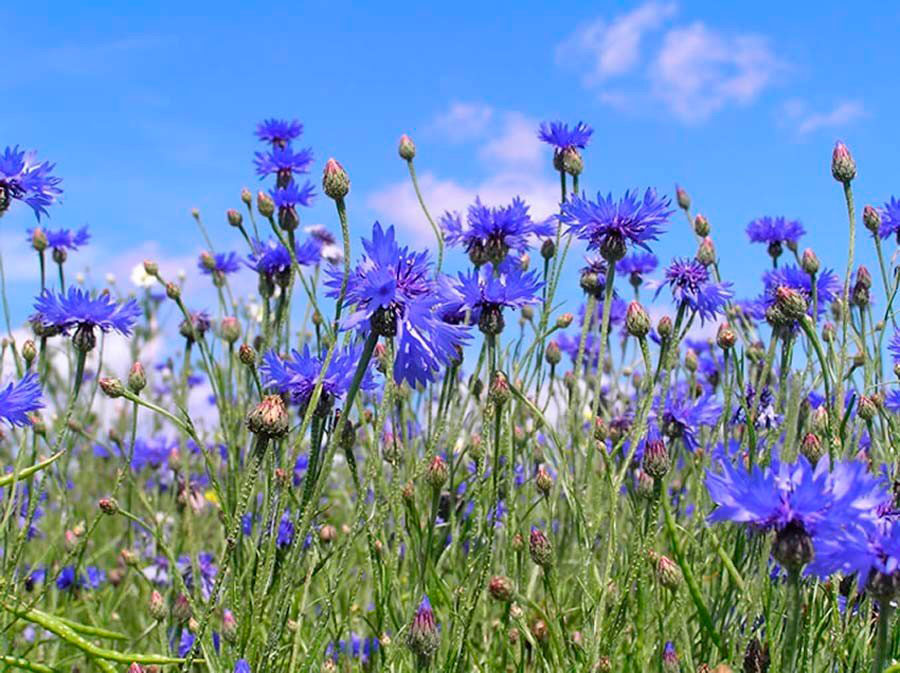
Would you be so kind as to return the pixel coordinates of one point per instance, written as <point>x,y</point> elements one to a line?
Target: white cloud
<point>516,143</point>
<point>694,70</point>
<point>699,71</point>
<point>464,121</point>
<point>613,48</point>
<point>840,115</point>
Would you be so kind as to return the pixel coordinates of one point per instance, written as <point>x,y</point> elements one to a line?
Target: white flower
<point>140,278</point>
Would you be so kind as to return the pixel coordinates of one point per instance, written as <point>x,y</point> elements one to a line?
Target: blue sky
<point>149,111</point>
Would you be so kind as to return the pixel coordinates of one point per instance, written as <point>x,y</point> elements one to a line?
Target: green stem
<point>438,234</point>
<point>882,646</point>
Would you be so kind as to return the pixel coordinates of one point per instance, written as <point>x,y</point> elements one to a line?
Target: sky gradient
<point>150,113</point>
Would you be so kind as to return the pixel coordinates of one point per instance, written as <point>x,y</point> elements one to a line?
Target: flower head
<point>19,398</point>
<point>78,309</point>
<point>486,292</point>
<point>612,226</point>
<point>637,264</point>
<point>562,137</point>
<point>489,234</point>
<point>683,417</point>
<point>64,239</point>
<point>828,287</point>
<point>220,263</point>
<point>298,375</point>
<point>864,549</point>
<point>279,132</point>
<point>890,218</point>
<point>690,283</point>
<point>775,231</point>
<point>271,257</point>
<point>23,178</point>
<point>284,162</point>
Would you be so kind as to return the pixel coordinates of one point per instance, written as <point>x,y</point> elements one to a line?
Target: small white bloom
<point>140,278</point>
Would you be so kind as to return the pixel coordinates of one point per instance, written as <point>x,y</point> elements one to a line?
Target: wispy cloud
<point>463,121</point>
<point>808,121</point>
<point>643,57</point>
<point>508,150</point>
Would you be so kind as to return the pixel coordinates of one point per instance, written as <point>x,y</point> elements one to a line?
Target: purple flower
<point>894,346</point>
<point>284,162</point>
<point>23,178</point>
<point>64,239</point>
<point>272,258</point>
<point>241,666</point>
<point>292,195</point>
<point>185,643</point>
<point>297,376</point>
<point>79,310</point>
<point>828,287</point>
<point>489,234</point>
<point>684,416</point>
<point>279,132</point>
<point>775,231</point>
<point>637,264</point>
<point>486,292</point>
<point>395,295</point>
<point>562,137</point>
<point>690,283</point>
<point>863,549</point>
<point>890,218</point>
<point>220,263</point>
<point>19,398</point>
<point>285,533</point>
<point>612,226</point>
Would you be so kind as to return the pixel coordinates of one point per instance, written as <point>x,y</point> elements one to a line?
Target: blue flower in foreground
<point>23,178</point>
<point>279,132</point>
<point>486,293</point>
<point>562,137</point>
<point>890,218</point>
<point>775,231</point>
<point>78,309</point>
<point>691,284</point>
<point>297,376</point>
<point>20,398</point>
<point>284,162</point>
<point>861,549</point>
<point>797,500</point>
<point>220,263</point>
<point>396,296</point>
<point>612,226</point>
<point>63,239</point>
<point>489,234</point>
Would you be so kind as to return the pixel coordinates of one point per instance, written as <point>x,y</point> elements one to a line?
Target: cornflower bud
<point>230,328</point>
<point>39,239</point>
<point>691,363</point>
<point>335,181</point>
<point>151,268</point>
<point>246,196</point>
<point>701,226</point>
<point>684,201</point>
<point>601,431</point>
<point>235,219</point>
<point>656,461</point>
<point>265,205</point>
<point>603,665</point>
<point>157,606</point>
<point>843,167</point>
<point>327,534</point>
<point>269,418</point>
<point>568,160</point>
<point>499,389</point>
<point>108,506</point>
<point>29,351</point>
<point>247,355</point>
<point>644,485</point>
<point>664,327</point>
<point>423,637</point>
<point>229,627</point>
<point>811,447</point>
<point>137,378</point>
<point>173,292</point>
<point>867,409</point>
<point>871,219</point>
<point>437,473</point>
<point>668,573</point>
<point>706,252</point>
<point>543,481</point>
<point>548,248</point>
<point>828,332</point>
<point>809,262</point>
<point>637,322</point>
<point>725,337</point>
<point>564,320</point>
<point>670,662</point>
<point>112,387</point>
<point>553,355</point>
<point>540,548</point>
<point>406,148</point>
<point>181,610</point>
<point>790,302</point>
<point>501,588</point>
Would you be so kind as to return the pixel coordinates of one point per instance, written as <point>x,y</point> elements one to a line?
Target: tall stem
<point>885,612</point>
<point>845,307</point>
<point>438,234</point>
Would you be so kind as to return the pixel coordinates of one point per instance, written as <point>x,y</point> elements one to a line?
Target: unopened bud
<point>791,303</point>
<point>563,321</point>
<point>235,219</point>
<point>112,387</point>
<point>229,627</point>
<point>335,181</point>
<point>39,239</point>
<point>151,268</point>
<point>157,606</point>
<point>637,321</point>
<point>701,226</point>
<point>173,292</point>
<point>247,355</point>
<point>437,473</point>
<point>29,351</point>
<point>540,548</point>
<point>684,201</point>
<point>809,262</point>
<point>812,448</point>
<point>664,327</point>
<point>499,390</point>
<point>543,481</point>
<point>706,252</point>
<point>269,418</point>
<point>725,336</point>
<point>230,328</point>
<point>181,610</point>
<point>872,219</point>
<point>548,248</point>
<point>867,409</point>
<point>407,148</point>
<point>656,461</point>
<point>691,363</point>
<point>668,573</point>
<point>137,378</point>
<point>501,588</point>
<point>553,354</point>
<point>108,506</point>
<point>843,167</point>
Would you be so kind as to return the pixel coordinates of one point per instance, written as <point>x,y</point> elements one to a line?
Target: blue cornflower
<point>285,533</point>
<point>63,240</point>
<point>284,162</point>
<point>637,264</point>
<point>489,234</point>
<point>273,259</point>
<point>828,287</point>
<point>890,218</point>
<point>279,132</point>
<point>293,195</point>
<point>396,295</point>
<point>691,285</point>
<point>222,263</point>
<point>23,178</point>
<point>797,500</point>
<point>486,292</point>
<point>297,376</point>
<point>775,231</point>
<point>894,346</point>
<point>20,398</point>
<point>66,578</point>
<point>77,309</point>
<point>241,666</point>
<point>862,549</point>
<point>562,137</point>
<point>683,417</point>
<point>208,571</point>
<point>612,226</point>
<point>185,643</point>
